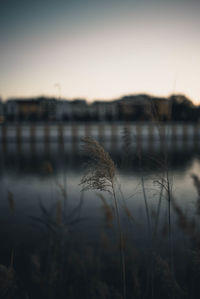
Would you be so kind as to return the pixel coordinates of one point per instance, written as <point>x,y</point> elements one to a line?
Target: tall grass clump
<point>101,175</point>
<point>165,181</point>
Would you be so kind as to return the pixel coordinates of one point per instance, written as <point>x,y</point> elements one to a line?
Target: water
<point>36,176</point>
<point>24,174</point>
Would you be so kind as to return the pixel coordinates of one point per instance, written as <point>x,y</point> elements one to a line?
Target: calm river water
<point>37,176</point>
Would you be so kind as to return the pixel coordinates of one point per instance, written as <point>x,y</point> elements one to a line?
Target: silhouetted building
<point>1,111</point>
<point>63,110</point>
<point>47,108</point>
<point>79,109</point>
<point>140,107</point>
<point>11,110</point>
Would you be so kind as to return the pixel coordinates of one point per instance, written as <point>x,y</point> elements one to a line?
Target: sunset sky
<point>99,49</point>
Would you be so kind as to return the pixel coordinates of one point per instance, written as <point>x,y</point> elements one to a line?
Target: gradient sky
<point>99,49</point>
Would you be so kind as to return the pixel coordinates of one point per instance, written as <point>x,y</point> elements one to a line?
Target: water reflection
<point>22,171</point>
<point>28,157</point>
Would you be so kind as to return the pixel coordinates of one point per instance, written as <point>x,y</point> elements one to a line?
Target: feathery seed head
<point>100,167</point>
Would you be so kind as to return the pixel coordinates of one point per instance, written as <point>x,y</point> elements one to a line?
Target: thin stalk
<point>121,242</point>
<point>148,224</point>
<point>125,204</point>
<point>158,210</point>
<point>12,259</point>
<point>65,195</point>
<point>169,221</point>
<point>146,204</point>
<point>144,192</point>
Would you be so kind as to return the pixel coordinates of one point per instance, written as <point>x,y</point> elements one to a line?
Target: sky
<point>99,49</point>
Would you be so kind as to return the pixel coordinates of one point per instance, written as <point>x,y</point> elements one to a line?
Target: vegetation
<point>65,265</point>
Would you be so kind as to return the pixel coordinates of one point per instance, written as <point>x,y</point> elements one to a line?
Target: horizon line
<point>59,97</point>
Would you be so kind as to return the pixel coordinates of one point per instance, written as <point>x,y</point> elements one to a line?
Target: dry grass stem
<point>108,211</point>
<point>100,175</point>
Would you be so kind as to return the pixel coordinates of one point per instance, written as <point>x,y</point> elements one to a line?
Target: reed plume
<point>100,167</point>
<point>100,176</point>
